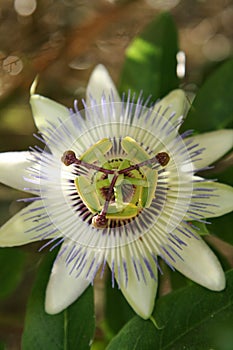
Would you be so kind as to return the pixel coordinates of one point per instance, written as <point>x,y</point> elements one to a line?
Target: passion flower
<point>115,185</point>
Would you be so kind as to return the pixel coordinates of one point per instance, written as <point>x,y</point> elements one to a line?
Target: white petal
<point>175,102</point>
<point>100,82</point>
<point>139,293</point>
<point>13,170</point>
<point>215,144</point>
<point>199,263</point>
<point>46,111</point>
<point>63,287</point>
<point>217,196</point>
<point>20,229</point>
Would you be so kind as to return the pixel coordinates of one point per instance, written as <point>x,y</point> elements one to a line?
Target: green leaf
<point>178,280</point>
<point>191,318</point>
<point>137,335</point>
<point>12,267</point>
<point>225,176</point>
<point>71,329</point>
<point>150,63</point>
<point>201,227</point>
<point>222,227</point>
<point>212,107</point>
<point>117,310</point>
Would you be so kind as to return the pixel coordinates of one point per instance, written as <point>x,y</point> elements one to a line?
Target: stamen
<point>69,158</point>
<point>163,159</point>
<point>99,221</point>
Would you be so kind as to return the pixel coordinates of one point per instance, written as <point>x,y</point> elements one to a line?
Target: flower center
<point>120,188</point>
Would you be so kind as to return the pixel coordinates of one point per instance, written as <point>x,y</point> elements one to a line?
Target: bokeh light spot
<point>13,65</point>
<point>25,7</point>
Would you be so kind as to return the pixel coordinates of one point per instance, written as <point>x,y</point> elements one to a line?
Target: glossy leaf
<point>212,107</point>
<point>150,63</point>
<point>12,268</point>
<point>178,280</point>
<point>190,318</point>
<point>222,227</point>
<point>117,310</point>
<point>70,329</point>
<point>201,227</point>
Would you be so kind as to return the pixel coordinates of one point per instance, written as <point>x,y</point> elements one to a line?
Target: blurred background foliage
<point>62,41</point>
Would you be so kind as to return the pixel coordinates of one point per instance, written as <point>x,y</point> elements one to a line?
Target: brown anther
<point>99,221</point>
<point>69,158</point>
<point>163,158</point>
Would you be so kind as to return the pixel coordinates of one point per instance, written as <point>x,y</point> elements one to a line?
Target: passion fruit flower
<point>116,185</point>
